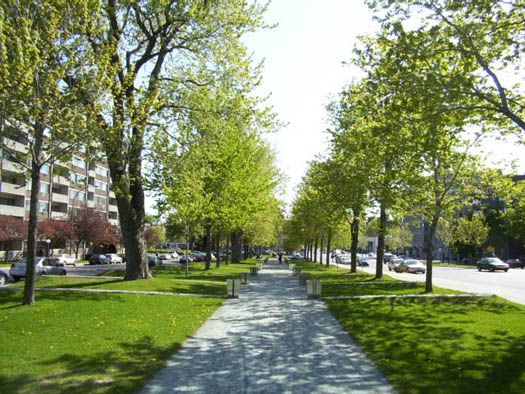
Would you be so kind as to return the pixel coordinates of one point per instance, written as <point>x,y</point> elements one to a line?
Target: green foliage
<point>219,170</point>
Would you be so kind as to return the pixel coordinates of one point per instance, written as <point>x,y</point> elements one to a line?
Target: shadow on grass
<point>439,345</point>
<point>123,370</point>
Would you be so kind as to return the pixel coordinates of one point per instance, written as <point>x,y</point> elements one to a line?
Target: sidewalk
<point>271,340</point>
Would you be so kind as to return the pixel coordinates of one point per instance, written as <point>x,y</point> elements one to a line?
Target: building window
<point>100,200</point>
<point>78,162</point>
<point>101,171</point>
<point>44,188</point>
<point>45,169</point>
<point>43,207</point>
<point>77,195</point>
<point>77,178</point>
<point>101,185</point>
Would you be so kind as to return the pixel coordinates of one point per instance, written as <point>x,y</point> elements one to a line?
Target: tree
<point>42,48</point>
<point>468,48</point>
<point>470,232</point>
<point>59,232</point>
<point>12,230</point>
<point>218,175</point>
<point>142,55</point>
<point>153,235</point>
<point>90,226</point>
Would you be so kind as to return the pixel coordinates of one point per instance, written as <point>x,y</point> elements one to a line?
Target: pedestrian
<point>280,258</point>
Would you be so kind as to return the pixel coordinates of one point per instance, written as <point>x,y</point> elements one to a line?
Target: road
<point>509,285</point>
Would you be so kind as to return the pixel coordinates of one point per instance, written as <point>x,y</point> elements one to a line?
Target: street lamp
<point>47,241</point>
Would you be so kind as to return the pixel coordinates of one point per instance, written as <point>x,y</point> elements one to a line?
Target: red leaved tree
<point>59,232</point>
<point>12,229</point>
<point>92,227</point>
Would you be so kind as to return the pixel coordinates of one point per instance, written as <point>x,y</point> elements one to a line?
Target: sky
<point>303,69</point>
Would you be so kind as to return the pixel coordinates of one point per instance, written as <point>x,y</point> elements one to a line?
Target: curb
<point>118,292</point>
<point>379,296</point>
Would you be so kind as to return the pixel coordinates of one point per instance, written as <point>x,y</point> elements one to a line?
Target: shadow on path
<point>271,340</point>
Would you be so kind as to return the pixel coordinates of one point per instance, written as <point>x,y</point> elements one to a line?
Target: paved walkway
<point>271,340</point>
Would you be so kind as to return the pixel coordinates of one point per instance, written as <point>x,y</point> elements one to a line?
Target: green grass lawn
<point>439,346</point>
<point>161,283</point>
<point>198,271</point>
<point>379,288</point>
<point>431,346</point>
<point>92,343</point>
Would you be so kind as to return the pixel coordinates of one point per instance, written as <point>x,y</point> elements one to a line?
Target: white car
<point>113,258</point>
<point>43,266</point>
<point>66,259</point>
<point>343,259</point>
<point>4,278</point>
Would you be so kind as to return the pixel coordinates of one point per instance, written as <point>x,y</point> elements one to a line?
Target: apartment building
<point>63,186</point>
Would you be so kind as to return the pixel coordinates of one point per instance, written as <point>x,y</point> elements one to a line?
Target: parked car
<point>43,266</point>
<point>66,259</point>
<point>343,259</point>
<point>412,266</point>
<point>394,264</point>
<point>515,263</point>
<point>4,278</point>
<point>363,263</point>
<point>388,257</point>
<point>98,259</point>
<point>491,264</point>
<point>123,257</point>
<point>113,258</point>
<point>164,256</point>
<point>183,259</point>
<point>153,260</point>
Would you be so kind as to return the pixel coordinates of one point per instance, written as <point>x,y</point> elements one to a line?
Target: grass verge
<point>160,283</point>
<point>92,343</point>
<point>441,345</point>
<point>431,346</point>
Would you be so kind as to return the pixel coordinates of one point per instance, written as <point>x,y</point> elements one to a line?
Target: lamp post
<point>48,242</point>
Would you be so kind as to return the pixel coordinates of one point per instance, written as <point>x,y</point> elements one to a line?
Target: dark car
<point>98,259</point>
<point>491,264</point>
<point>363,263</point>
<point>183,259</point>
<point>515,263</point>
<point>153,261</point>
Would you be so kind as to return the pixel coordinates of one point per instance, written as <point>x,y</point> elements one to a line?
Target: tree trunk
<point>129,194</point>
<point>354,232</point>
<point>328,246</point>
<point>207,245</point>
<point>381,242</point>
<point>227,250</point>
<point>236,239</point>
<point>315,249</point>
<point>430,253</point>
<point>29,285</point>
<point>218,250</point>
<point>321,250</point>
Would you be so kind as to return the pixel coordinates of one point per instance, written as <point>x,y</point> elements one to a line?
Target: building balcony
<point>15,145</point>
<point>60,180</point>
<point>9,166</point>
<point>112,208</point>
<point>57,197</point>
<point>10,188</point>
<point>12,211</point>
<point>59,215</point>
<point>91,204</point>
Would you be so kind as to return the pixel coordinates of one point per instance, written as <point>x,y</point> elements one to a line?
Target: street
<point>510,285</point>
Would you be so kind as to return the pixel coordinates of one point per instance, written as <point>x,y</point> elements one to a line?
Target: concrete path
<point>271,340</point>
